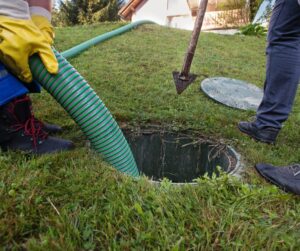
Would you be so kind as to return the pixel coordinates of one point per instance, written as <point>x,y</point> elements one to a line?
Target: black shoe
<point>50,128</point>
<point>287,177</point>
<point>35,144</point>
<point>265,135</point>
<point>19,130</point>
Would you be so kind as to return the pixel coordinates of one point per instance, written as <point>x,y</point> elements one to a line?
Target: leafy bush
<point>253,30</point>
<point>73,12</point>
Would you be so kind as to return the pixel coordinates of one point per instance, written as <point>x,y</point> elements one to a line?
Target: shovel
<point>184,78</point>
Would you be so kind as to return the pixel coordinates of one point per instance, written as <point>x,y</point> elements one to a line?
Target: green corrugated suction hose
<point>75,95</point>
<point>85,107</point>
<point>87,44</point>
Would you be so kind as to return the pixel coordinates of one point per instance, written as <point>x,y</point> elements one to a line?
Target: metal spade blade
<point>184,78</point>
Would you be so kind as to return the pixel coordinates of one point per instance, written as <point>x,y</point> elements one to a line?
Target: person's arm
<point>40,8</point>
<point>21,38</point>
<point>40,11</point>
<point>15,9</point>
<point>46,4</point>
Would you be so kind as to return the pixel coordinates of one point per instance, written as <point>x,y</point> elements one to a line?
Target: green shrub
<point>74,12</point>
<point>253,30</point>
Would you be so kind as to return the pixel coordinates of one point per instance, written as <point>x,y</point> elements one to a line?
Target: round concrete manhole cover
<point>232,92</point>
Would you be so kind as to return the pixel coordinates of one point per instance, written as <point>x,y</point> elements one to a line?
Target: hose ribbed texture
<point>87,44</point>
<point>75,95</point>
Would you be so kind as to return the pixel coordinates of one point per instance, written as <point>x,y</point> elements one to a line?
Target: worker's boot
<point>49,128</point>
<point>266,135</point>
<point>20,130</point>
<point>285,177</point>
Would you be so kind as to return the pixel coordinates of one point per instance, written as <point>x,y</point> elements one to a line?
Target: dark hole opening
<point>179,157</point>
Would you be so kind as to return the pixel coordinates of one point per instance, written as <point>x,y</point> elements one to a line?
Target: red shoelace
<point>32,127</point>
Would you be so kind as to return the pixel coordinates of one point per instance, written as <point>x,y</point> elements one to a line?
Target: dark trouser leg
<point>283,65</point>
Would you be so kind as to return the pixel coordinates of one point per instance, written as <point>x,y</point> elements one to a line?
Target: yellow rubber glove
<point>20,39</point>
<point>45,27</point>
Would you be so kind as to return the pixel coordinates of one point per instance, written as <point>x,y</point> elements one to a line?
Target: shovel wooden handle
<point>194,40</point>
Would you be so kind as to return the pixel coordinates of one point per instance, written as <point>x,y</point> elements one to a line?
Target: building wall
<point>177,14</point>
<point>173,13</point>
<point>178,7</point>
<point>181,22</point>
<point>154,10</point>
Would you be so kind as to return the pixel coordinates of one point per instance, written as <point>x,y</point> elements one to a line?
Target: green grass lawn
<point>74,201</point>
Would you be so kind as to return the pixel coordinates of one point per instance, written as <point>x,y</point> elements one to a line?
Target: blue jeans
<point>283,65</point>
<point>11,87</point>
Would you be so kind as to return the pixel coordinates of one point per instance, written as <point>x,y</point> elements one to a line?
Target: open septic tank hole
<point>179,157</point>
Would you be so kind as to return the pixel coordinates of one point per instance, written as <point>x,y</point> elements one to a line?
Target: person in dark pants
<point>25,29</point>
<point>282,73</point>
<point>282,79</point>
